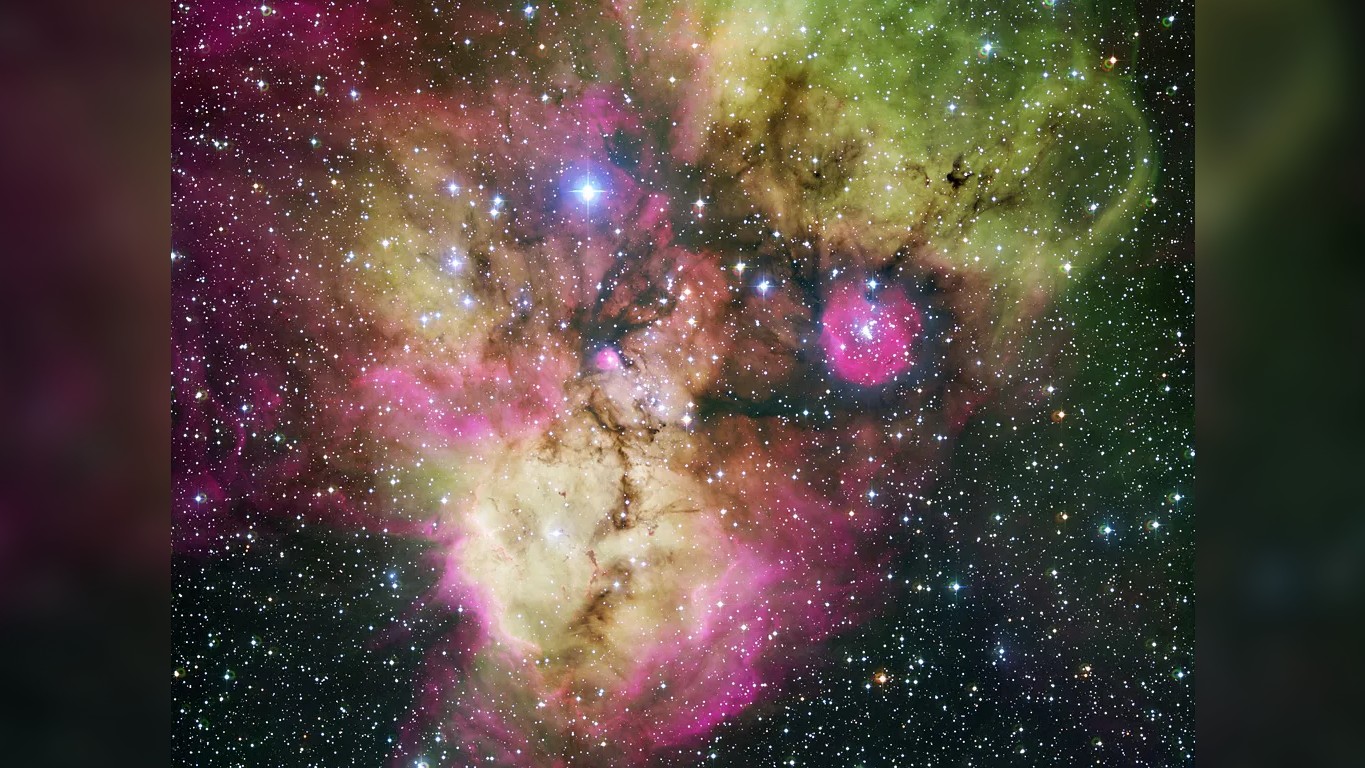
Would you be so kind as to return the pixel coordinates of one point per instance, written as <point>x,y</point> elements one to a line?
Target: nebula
<point>648,318</point>
<point>869,341</point>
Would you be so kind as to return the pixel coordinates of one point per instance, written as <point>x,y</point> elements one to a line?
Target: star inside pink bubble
<point>868,340</point>
<point>608,359</point>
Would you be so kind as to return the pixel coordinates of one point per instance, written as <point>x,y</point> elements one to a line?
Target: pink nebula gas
<point>869,340</point>
<point>644,513</point>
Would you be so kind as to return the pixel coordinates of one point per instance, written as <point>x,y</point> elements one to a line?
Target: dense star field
<point>683,382</point>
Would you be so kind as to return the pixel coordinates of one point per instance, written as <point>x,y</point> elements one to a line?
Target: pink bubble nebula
<point>869,339</point>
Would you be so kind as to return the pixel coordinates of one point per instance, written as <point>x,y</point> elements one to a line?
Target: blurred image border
<point>1280,336</point>
<point>84,359</point>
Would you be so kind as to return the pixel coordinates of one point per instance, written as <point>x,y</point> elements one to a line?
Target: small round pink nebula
<point>607,359</point>
<point>869,341</point>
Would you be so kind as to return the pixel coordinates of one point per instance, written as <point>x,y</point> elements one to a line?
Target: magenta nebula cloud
<point>651,326</point>
<point>869,341</point>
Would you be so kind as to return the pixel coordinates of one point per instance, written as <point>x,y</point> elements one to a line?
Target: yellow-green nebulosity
<point>560,275</point>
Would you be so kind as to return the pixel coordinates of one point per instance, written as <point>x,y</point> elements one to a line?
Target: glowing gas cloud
<point>647,317</point>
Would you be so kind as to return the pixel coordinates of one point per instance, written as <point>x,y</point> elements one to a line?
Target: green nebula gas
<point>557,278</point>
